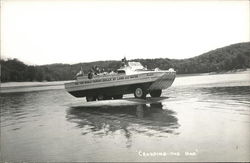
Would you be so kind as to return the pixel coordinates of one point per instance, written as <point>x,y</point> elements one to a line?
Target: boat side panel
<point>116,85</point>
<point>112,81</point>
<point>164,81</point>
<point>109,91</point>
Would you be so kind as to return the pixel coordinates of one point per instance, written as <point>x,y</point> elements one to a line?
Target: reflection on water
<point>151,120</point>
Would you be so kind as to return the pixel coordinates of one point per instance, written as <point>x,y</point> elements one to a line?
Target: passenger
<point>124,62</point>
<point>96,70</point>
<point>93,70</point>
<point>112,73</point>
<point>90,75</point>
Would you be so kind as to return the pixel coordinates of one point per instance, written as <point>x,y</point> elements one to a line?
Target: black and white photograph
<point>125,81</point>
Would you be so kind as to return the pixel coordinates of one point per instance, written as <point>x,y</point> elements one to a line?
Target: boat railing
<point>85,77</point>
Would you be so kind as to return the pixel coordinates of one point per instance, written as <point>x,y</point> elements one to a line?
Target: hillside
<point>231,57</point>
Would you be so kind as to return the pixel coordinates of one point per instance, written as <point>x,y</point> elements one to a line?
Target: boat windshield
<point>120,71</point>
<point>135,65</point>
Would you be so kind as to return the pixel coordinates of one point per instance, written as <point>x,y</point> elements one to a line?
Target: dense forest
<point>236,56</point>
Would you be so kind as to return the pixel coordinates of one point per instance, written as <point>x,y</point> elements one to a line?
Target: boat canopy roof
<point>135,65</point>
<point>131,68</point>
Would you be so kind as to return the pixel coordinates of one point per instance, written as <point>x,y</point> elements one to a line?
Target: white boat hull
<point>121,84</point>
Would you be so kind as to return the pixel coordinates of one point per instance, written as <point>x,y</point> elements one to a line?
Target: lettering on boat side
<point>97,80</point>
<point>120,78</point>
<point>107,79</point>
<point>133,76</point>
<point>86,82</point>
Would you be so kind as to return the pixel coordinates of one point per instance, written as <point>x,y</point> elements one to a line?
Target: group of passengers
<point>95,70</point>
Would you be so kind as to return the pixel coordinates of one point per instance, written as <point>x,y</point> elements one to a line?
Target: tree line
<point>236,56</point>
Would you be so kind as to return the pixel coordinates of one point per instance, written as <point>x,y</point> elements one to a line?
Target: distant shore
<point>54,83</point>
<point>231,71</point>
<point>45,85</point>
<point>215,73</point>
<point>30,86</point>
<point>234,57</point>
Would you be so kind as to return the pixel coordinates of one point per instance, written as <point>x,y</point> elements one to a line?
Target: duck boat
<point>132,77</point>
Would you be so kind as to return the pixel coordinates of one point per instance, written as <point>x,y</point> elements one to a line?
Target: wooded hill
<point>236,56</point>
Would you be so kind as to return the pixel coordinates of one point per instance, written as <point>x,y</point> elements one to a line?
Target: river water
<point>201,118</point>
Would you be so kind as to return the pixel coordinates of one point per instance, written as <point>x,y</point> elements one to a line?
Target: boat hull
<point>112,85</point>
<point>108,91</point>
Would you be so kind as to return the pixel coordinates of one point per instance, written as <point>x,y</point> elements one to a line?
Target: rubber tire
<point>107,97</point>
<point>118,96</point>
<point>140,93</point>
<point>100,97</point>
<point>90,98</point>
<point>155,93</point>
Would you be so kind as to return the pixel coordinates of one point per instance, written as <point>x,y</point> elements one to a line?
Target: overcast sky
<point>44,32</point>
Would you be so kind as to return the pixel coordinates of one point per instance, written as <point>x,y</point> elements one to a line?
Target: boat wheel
<point>90,98</point>
<point>155,93</point>
<point>100,97</point>
<point>107,97</point>
<point>140,93</point>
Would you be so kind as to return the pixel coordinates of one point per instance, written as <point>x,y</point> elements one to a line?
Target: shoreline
<point>231,71</point>
<point>22,85</point>
<point>215,73</point>
<point>31,84</point>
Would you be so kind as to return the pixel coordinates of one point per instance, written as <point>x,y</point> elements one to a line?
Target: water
<point>202,118</point>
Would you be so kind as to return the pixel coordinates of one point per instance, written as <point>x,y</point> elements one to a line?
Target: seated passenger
<point>90,75</point>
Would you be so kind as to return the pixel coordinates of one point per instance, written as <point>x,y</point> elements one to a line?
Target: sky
<point>41,32</point>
